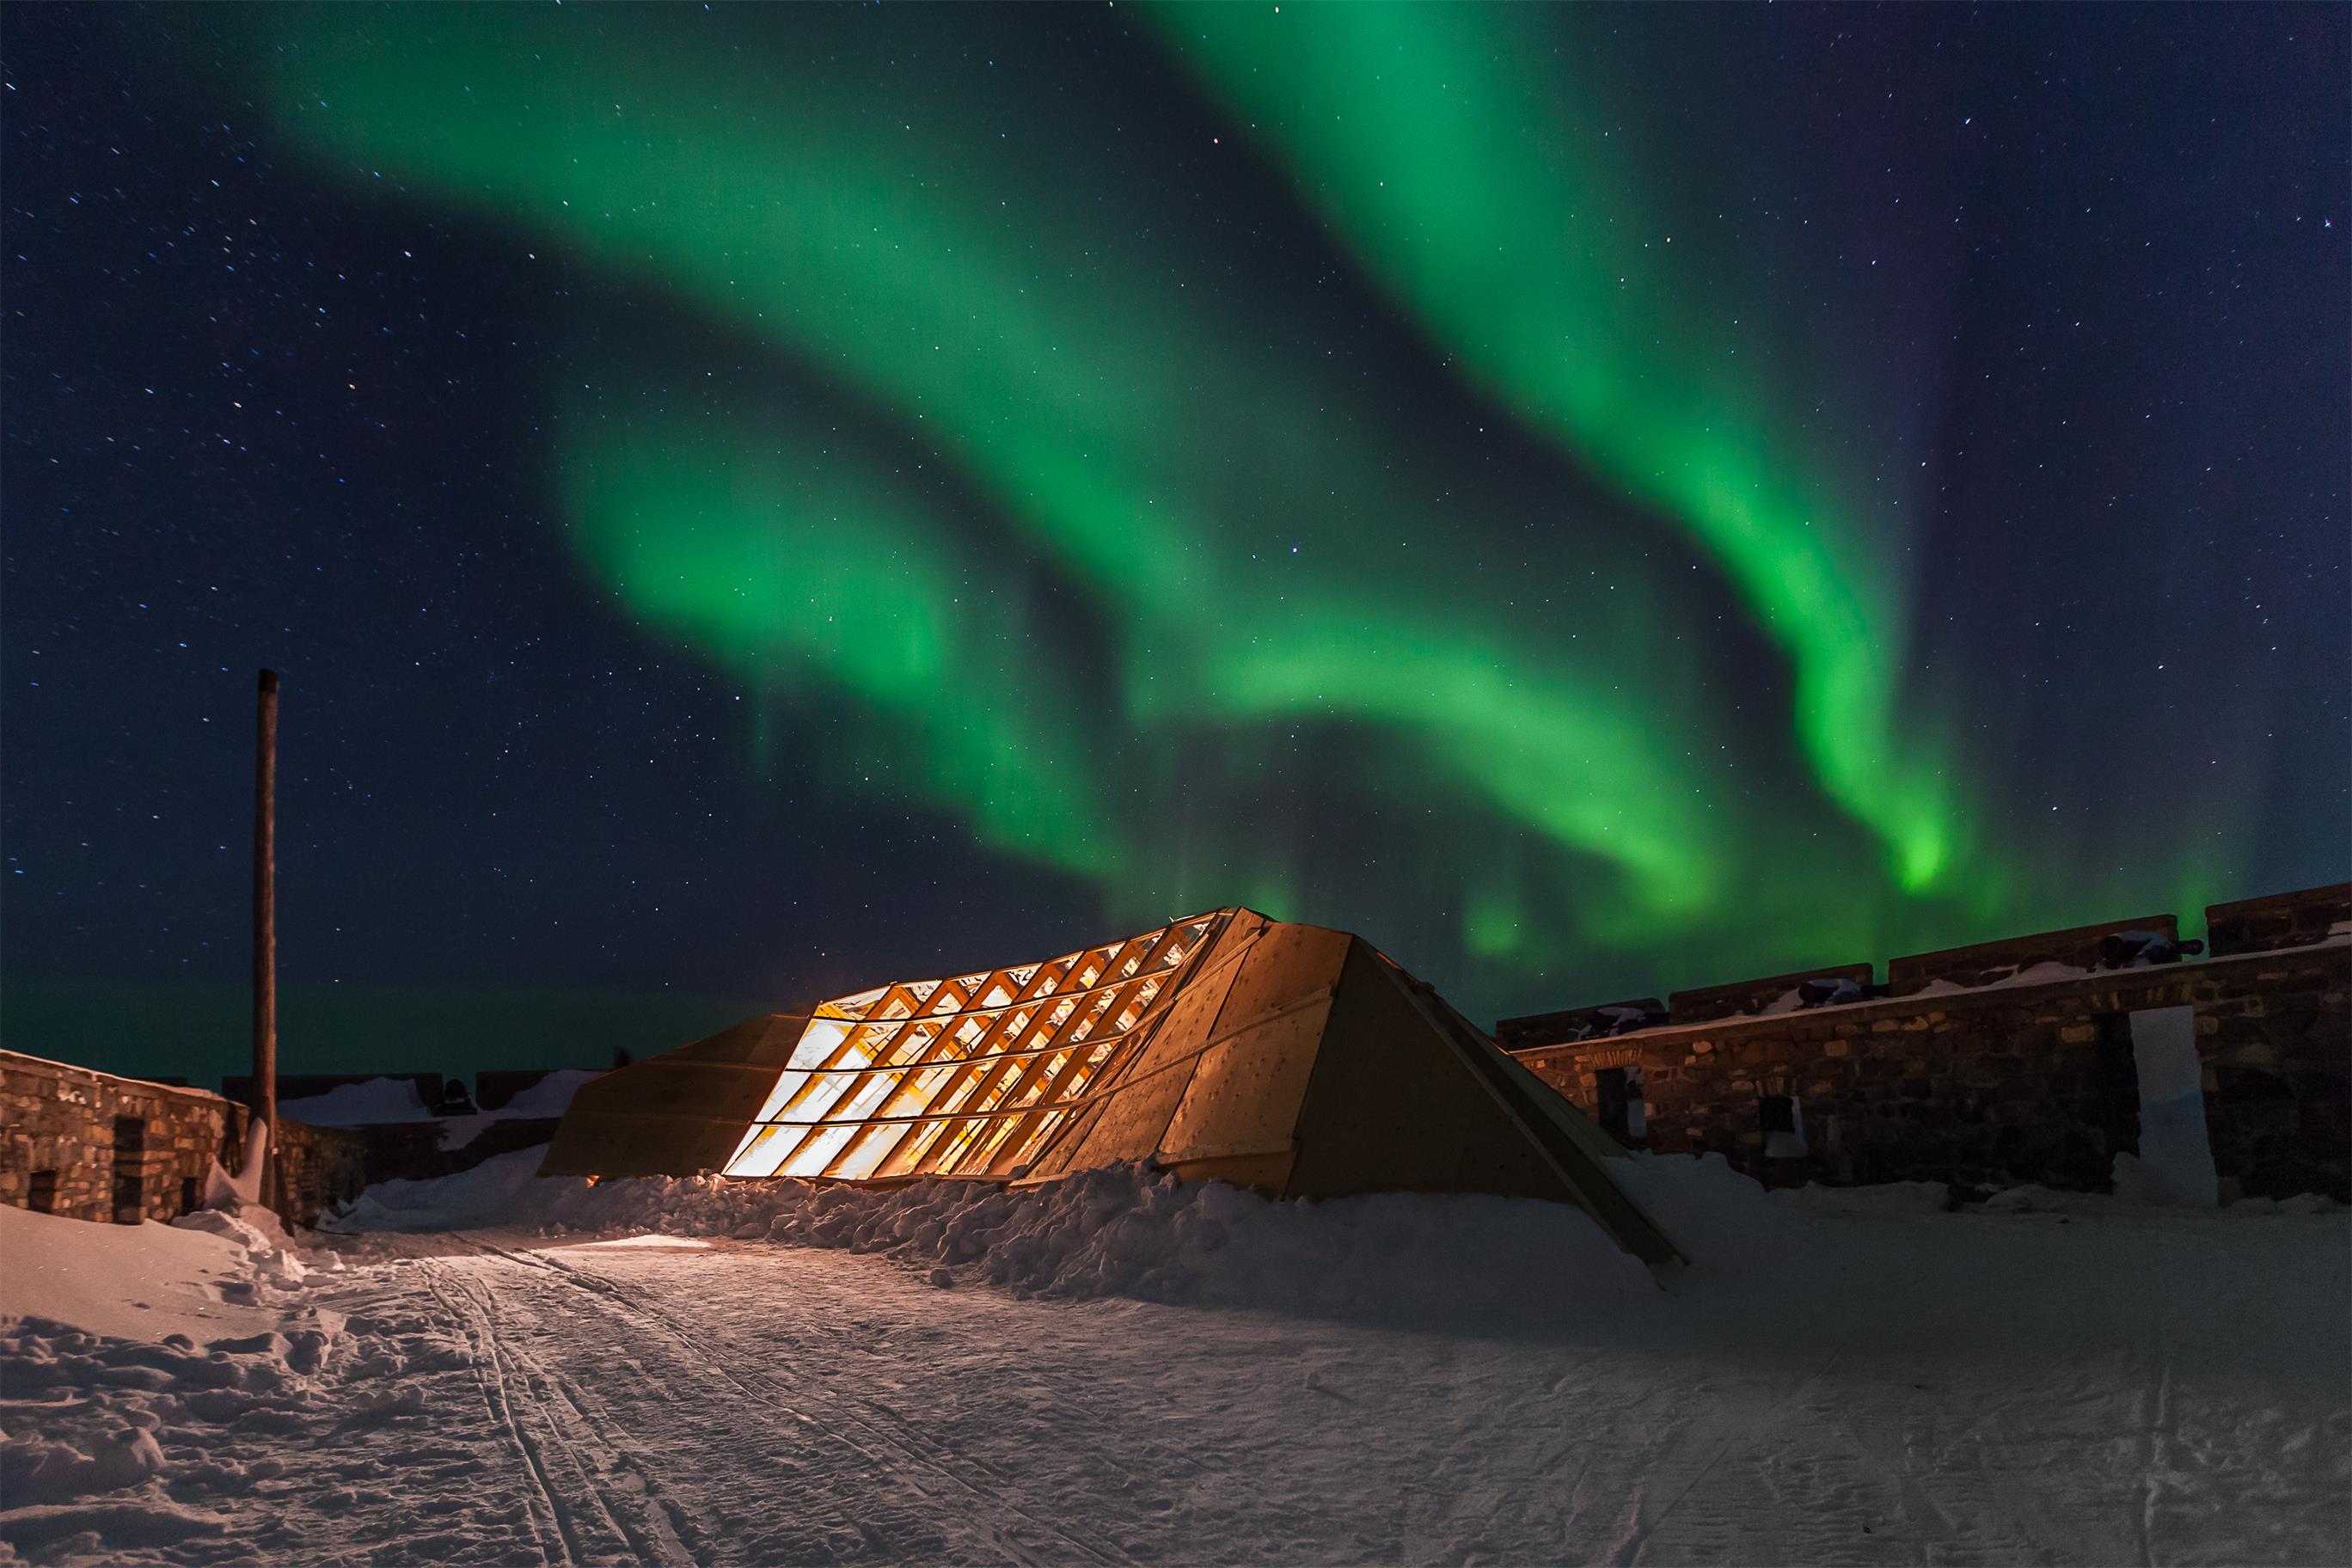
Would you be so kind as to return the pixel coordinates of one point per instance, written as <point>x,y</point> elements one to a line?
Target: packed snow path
<point>2085,1384</point>
<point>677,1400</point>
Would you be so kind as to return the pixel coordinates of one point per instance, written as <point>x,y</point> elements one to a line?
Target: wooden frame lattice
<point>967,1075</point>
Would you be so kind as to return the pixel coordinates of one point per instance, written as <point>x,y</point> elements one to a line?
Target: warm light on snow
<point>515,1370</point>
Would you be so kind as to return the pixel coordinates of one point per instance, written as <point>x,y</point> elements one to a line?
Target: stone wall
<point>1989,963</point>
<point>90,1146</point>
<point>318,1166</point>
<point>2279,920</point>
<point>2005,1084</point>
<point>2277,1055</point>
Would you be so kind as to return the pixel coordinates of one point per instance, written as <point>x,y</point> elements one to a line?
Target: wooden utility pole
<point>265,928</point>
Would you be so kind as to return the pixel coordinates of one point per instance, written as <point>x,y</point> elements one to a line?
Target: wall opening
<point>2175,1159</point>
<point>1617,1095</point>
<point>41,1197</point>
<point>2114,1109</point>
<point>191,1195</point>
<point>129,1169</point>
<point>1783,1122</point>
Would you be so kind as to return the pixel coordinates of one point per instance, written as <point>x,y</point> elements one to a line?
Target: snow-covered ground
<point>381,1100</point>
<point>360,1104</point>
<point>493,1369</point>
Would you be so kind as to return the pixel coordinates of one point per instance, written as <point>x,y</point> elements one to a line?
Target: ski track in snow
<point>851,1433</point>
<point>2030,1388</point>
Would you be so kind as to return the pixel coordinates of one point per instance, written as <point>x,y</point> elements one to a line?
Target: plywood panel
<point>1245,1091</point>
<point>1389,1107</point>
<point>1129,1123</point>
<point>682,1112</point>
<point>1268,1172</point>
<point>1284,963</point>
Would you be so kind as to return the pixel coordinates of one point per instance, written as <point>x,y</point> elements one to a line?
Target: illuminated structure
<point>967,1075</point>
<point>1291,1059</point>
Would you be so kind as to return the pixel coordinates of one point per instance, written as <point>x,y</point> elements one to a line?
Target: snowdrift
<point>140,1364</point>
<point>385,1099</point>
<point>1129,1231</point>
<point>1133,1231</point>
<point>140,1281</point>
<point>119,1446</point>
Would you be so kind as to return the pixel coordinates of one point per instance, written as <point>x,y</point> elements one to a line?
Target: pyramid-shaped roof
<point>1292,1058</point>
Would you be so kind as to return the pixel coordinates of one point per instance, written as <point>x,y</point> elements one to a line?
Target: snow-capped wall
<point>92,1146</point>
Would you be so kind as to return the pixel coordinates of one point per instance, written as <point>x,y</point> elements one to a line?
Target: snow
<point>551,1096</point>
<point>547,1098</point>
<point>2175,1162</point>
<point>140,1367</point>
<point>445,1202</point>
<point>1125,1232</point>
<point>360,1104</point>
<point>1127,1368</point>
<point>224,1190</point>
<point>137,1281</point>
<point>383,1099</point>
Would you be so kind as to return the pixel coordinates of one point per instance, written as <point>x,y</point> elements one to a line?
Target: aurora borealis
<point>1475,184</point>
<point>1141,445</point>
<point>749,499</point>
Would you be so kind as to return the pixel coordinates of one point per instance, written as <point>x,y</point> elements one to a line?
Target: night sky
<point>750,503</point>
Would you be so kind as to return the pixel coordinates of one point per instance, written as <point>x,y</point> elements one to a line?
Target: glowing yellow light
<point>963,1076</point>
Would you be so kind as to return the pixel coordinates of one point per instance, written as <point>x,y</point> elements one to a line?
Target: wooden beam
<point>265,930</point>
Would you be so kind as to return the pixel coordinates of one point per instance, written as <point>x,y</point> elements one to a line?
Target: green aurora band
<point>1113,445</point>
<point>1439,141</point>
<point>789,556</point>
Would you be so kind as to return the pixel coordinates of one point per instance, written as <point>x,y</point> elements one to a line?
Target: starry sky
<point>749,502</point>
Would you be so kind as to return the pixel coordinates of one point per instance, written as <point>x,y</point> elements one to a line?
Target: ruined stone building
<point>90,1146</point>
<point>2035,1060</point>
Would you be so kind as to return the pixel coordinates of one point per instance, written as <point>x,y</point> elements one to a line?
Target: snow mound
<point>1137,1232</point>
<point>106,1400</point>
<point>495,1189</point>
<point>2301,1203</point>
<point>93,1532</point>
<point>259,1232</point>
<point>397,1100</point>
<point>1721,1220</point>
<point>142,1281</point>
<point>551,1096</point>
<point>1132,1231</point>
<point>1887,1200</point>
<point>32,1470</point>
<point>544,1100</point>
<point>111,1439</point>
<point>358,1104</point>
